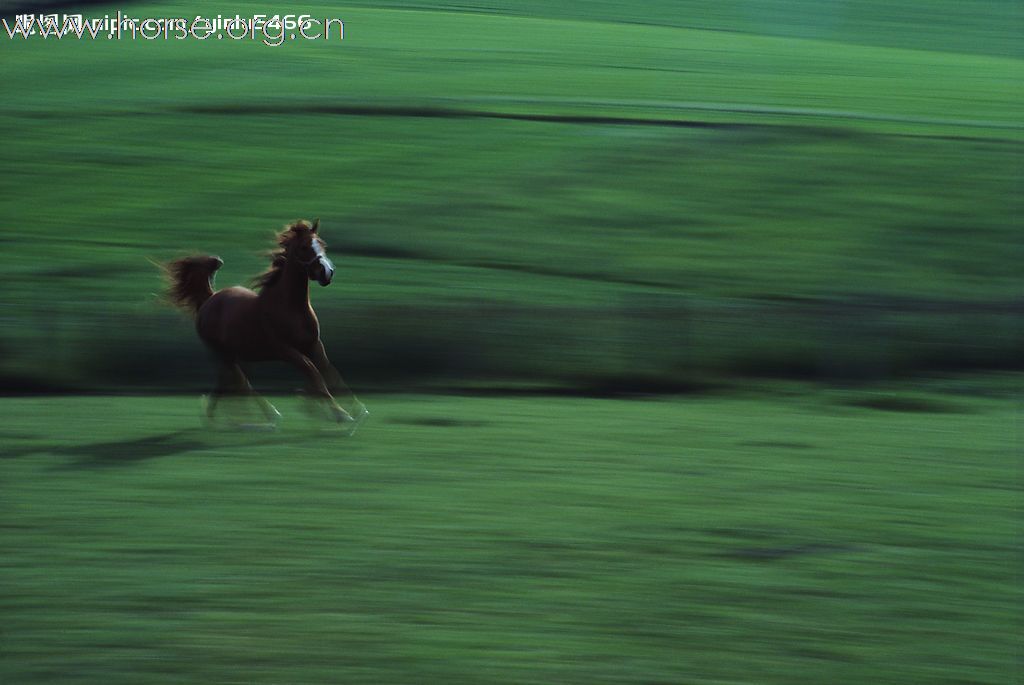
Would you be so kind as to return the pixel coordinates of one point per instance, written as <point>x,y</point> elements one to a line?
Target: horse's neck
<point>290,288</point>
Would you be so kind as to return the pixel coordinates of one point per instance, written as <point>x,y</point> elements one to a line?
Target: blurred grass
<point>982,27</point>
<point>603,197</point>
<point>759,538</point>
<point>536,197</point>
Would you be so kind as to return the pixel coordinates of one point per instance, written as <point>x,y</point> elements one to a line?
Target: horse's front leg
<point>316,382</point>
<point>335,382</point>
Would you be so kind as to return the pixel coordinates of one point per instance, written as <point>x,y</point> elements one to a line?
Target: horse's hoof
<point>347,425</point>
<point>341,416</point>
<point>204,411</point>
<point>272,414</point>
<point>361,413</point>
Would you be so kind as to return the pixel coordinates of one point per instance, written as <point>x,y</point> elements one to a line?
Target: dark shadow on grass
<point>129,452</point>
<point>123,452</point>
<point>118,451</point>
<point>439,112</point>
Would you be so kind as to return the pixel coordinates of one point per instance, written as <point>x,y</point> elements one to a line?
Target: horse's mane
<point>279,255</point>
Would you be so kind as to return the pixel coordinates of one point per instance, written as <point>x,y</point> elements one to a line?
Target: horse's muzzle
<point>324,272</point>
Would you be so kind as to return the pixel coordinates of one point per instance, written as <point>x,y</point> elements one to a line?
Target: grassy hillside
<point>783,195</point>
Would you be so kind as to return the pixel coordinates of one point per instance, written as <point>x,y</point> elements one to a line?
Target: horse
<point>274,323</point>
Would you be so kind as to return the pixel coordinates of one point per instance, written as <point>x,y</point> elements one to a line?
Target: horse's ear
<point>316,225</point>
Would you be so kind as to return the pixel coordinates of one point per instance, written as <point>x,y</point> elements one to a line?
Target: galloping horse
<point>277,323</point>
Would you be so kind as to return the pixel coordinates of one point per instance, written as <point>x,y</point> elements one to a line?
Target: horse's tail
<point>190,281</point>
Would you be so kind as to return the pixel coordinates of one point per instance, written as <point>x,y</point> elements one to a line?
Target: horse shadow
<point>121,453</point>
<point>126,452</point>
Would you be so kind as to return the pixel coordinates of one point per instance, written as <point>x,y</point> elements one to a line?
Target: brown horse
<point>277,323</point>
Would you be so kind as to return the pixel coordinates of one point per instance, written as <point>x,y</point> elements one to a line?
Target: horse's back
<point>228,322</point>
<point>235,293</point>
<point>225,303</point>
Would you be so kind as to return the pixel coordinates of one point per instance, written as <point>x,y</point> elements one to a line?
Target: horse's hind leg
<point>227,379</point>
<point>269,411</point>
<point>232,381</point>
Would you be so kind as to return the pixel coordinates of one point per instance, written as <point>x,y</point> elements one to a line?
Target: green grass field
<point>789,230</point>
<point>790,537</point>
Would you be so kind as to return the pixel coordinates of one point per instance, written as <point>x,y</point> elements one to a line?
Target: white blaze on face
<point>318,249</point>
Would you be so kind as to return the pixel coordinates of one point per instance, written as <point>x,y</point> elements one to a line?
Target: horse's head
<point>307,248</point>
